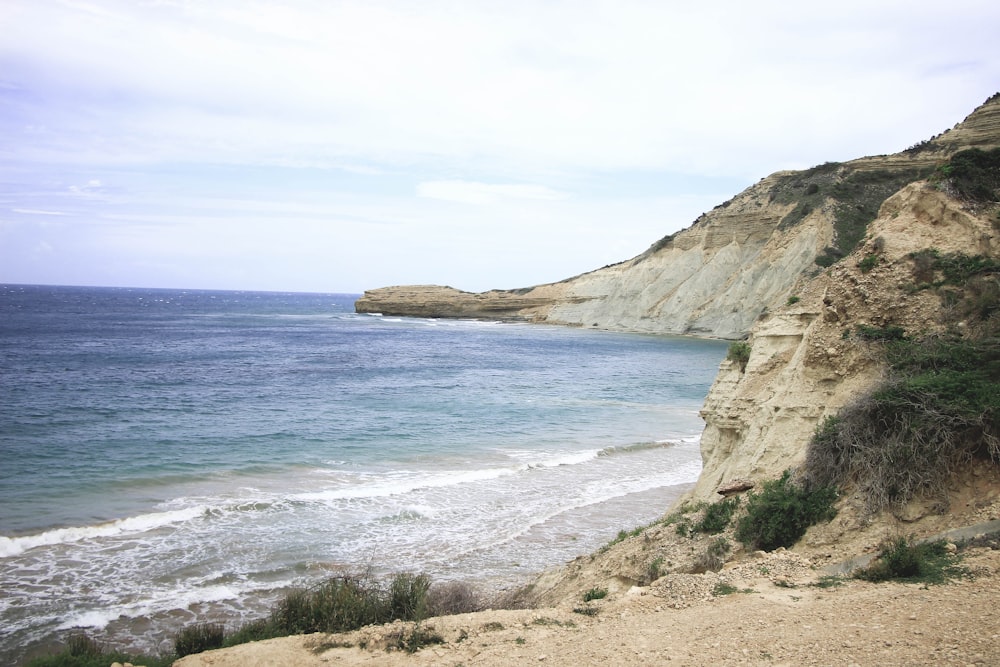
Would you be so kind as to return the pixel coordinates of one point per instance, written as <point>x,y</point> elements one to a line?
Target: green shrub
<point>900,559</point>
<point>252,631</point>
<point>722,588</point>
<point>408,596</point>
<point>975,174</point>
<point>198,638</point>
<point>654,570</point>
<point>792,300</point>
<point>886,333</point>
<point>868,263</point>
<point>780,514</point>
<point>939,409</point>
<point>340,604</point>
<point>595,594</point>
<point>739,352</point>
<point>83,651</point>
<point>717,516</point>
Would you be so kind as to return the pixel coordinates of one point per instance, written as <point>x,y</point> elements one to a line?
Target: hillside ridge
<point>732,264</point>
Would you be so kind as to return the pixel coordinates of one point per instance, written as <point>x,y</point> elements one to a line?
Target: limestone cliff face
<point>736,262</point>
<point>802,367</point>
<point>712,279</point>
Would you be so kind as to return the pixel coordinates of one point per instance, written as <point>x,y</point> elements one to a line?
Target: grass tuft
<point>900,559</point>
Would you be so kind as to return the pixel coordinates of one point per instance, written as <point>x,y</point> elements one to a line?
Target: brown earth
<point>778,616</point>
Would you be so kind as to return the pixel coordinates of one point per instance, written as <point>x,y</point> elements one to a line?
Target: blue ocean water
<point>170,455</point>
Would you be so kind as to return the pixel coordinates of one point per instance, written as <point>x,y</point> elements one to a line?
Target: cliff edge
<point>734,263</point>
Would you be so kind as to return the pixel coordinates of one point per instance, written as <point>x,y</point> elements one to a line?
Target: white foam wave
<point>567,459</point>
<point>182,599</point>
<point>14,546</point>
<point>402,486</point>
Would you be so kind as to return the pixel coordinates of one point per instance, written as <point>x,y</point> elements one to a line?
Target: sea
<point>175,456</point>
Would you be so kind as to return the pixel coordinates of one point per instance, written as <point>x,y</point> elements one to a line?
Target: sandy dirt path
<point>777,617</point>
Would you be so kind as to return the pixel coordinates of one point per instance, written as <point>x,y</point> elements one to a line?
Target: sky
<point>339,146</point>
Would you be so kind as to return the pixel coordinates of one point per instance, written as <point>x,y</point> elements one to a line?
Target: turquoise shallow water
<point>168,454</point>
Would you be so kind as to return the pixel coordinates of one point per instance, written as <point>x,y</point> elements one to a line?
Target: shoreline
<point>154,633</point>
<point>777,613</point>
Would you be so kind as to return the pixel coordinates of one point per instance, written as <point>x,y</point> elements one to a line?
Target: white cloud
<point>472,192</point>
<point>730,87</point>
<point>35,211</point>
<point>321,123</point>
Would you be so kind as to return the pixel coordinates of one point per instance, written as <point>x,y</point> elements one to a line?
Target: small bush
<point>595,594</point>
<point>341,604</point>
<point>792,300</point>
<point>83,651</point>
<point>408,596</point>
<point>900,559</point>
<point>938,410</point>
<point>924,262</point>
<point>83,646</point>
<point>714,557</point>
<point>654,569</point>
<point>868,263</point>
<point>198,638</point>
<point>717,516</point>
<point>782,512</point>
<point>975,174</point>
<point>739,352</point>
<point>886,333</point>
<point>829,581</point>
<point>453,597</point>
<point>722,588</point>
<point>252,631</point>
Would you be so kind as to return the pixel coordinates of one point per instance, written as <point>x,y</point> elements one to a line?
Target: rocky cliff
<point>734,263</point>
<point>805,363</point>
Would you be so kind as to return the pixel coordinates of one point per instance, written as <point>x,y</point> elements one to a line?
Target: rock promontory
<point>736,262</point>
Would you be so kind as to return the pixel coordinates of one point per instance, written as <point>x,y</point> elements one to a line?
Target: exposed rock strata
<point>804,365</point>
<point>715,278</point>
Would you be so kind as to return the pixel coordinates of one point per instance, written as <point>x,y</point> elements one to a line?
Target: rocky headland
<point>743,258</point>
<point>800,265</point>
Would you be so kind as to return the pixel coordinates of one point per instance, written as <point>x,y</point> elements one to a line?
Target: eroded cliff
<point>734,263</point>
<point>805,363</point>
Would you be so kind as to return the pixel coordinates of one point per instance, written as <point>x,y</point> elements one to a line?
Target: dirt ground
<point>776,616</point>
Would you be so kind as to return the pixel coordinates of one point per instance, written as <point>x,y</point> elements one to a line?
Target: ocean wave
<point>393,487</point>
<point>174,599</point>
<point>566,459</point>
<point>636,447</point>
<point>14,546</point>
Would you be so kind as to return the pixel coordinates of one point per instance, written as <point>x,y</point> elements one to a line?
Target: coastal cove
<point>180,455</point>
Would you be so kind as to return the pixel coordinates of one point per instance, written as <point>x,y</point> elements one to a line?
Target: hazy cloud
<point>354,115</point>
<point>472,192</point>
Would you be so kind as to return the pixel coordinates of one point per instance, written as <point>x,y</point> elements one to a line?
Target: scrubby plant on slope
<point>938,409</point>
<point>781,513</point>
<point>900,559</point>
<point>739,352</point>
<point>973,174</point>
